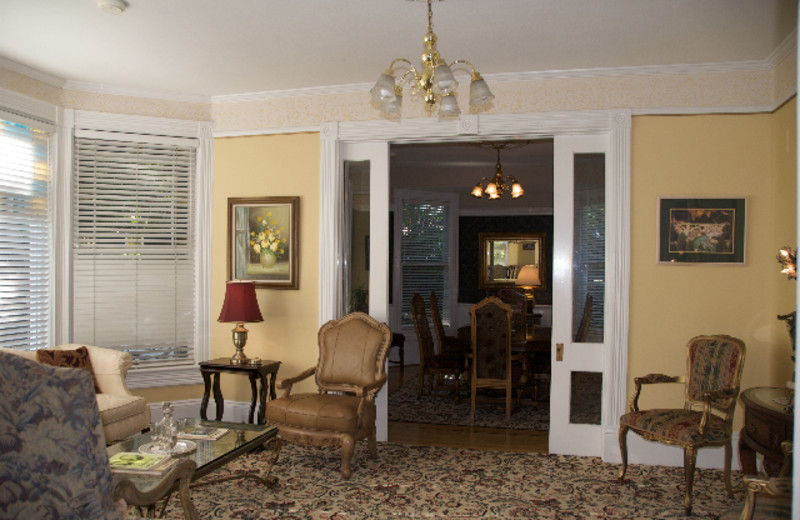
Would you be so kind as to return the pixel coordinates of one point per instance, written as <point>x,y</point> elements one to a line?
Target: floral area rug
<point>409,482</point>
<point>442,408</point>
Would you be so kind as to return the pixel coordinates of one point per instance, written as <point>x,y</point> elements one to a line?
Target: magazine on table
<point>140,463</point>
<point>202,432</point>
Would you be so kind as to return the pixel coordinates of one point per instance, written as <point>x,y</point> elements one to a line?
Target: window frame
<point>149,377</point>
<point>402,196</point>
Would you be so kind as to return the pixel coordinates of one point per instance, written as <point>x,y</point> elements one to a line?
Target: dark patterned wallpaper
<point>468,251</point>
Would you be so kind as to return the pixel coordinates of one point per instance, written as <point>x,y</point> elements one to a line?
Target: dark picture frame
<point>701,230</point>
<point>264,241</point>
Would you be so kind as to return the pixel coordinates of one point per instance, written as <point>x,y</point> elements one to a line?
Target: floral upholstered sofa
<point>121,413</point>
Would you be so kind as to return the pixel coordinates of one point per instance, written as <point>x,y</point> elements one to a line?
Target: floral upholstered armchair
<point>53,460</point>
<point>713,374</point>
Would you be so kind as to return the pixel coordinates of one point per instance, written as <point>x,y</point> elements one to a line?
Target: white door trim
<point>616,123</point>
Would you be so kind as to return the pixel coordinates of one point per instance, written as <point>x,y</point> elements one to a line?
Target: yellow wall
<point>749,156</point>
<point>264,166</point>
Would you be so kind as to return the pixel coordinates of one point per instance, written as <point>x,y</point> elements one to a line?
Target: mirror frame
<point>485,238</point>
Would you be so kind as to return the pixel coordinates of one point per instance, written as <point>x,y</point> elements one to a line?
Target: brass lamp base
<point>239,341</point>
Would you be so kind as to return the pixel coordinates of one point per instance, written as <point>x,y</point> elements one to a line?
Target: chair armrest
<point>289,381</point>
<point>369,391</point>
<point>650,379</point>
<point>776,487</point>
<point>180,475</point>
<point>712,396</point>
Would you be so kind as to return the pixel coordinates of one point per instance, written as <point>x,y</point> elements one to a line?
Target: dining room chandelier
<point>433,81</point>
<point>499,183</point>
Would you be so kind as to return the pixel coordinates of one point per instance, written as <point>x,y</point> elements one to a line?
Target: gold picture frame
<point>264,241</point>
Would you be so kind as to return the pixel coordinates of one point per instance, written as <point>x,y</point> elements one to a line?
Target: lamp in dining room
<point>240,307</point>
<point>527,279</point>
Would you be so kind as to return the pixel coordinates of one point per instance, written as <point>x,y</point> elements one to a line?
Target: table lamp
<point>528,278</point>
<point>240,306</point>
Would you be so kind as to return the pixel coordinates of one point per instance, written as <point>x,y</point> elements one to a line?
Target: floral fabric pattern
<point>53,461</point>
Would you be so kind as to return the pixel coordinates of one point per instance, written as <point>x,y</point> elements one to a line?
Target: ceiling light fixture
<point>434,81</point>
<point>498,184</point>
<point>112,6</point>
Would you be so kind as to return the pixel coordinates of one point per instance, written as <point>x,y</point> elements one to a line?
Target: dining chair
<point>518,302</point>
<point>493,365</point>
<point>433,367</point>
<point>449,345</point>
<point>713,374</point>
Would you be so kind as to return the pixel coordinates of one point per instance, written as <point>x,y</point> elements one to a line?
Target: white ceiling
<point>199,49</point>
<point>214,47</point>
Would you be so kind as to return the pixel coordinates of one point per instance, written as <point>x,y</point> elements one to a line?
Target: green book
<point>135,461</point>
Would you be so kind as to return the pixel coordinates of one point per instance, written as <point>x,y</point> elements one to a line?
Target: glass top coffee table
<point>211,454</point>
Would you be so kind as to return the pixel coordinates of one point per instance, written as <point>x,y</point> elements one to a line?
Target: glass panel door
<point>579,290</point>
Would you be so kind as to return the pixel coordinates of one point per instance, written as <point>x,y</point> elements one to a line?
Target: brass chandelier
<point>498,183</point>
<point>434,81</point>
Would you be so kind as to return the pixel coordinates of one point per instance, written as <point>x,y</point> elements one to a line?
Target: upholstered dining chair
<point>449,345</point>
<point>433,367</point>
<point>53,459</point>
<point>713,374</point>
<point>518,302</point>
<point>493,365</point>
<point>350,372</point>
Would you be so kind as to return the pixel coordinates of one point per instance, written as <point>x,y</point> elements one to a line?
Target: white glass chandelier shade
<point>434,80</point>
<point>479,93</point>
<point>448,106</point>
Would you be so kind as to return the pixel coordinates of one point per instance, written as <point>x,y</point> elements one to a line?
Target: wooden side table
<point>768,421</point>
<point>256,374</point>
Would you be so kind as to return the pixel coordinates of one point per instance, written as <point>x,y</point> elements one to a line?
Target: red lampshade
<point>240,304</point>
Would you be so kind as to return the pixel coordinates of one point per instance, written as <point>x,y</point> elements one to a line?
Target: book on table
<point>202,432</point>
<point>140,463</point>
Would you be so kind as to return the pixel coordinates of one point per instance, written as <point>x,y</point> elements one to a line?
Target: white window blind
<point>425,255</point>
<point>25,238</point>
<point>133,246</point>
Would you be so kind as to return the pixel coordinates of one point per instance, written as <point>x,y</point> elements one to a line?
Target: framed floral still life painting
<point>263,243</point>
<point>701,230</point>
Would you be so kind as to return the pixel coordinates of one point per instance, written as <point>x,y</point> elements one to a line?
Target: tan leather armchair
<point>349,374</point>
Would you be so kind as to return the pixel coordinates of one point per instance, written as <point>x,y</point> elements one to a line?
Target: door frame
<point>615,123</point>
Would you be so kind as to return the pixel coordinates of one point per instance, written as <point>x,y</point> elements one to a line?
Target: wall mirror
<point>504,254</point>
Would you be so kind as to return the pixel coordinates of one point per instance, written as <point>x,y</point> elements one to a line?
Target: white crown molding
<point>32,73</point>
<point>785,49</point>
<point>648,70</point>
<point>269,131</point>
<point>99,88</point>
<point>268,95</point>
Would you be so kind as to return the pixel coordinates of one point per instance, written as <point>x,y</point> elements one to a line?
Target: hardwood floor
<point>470,437</point>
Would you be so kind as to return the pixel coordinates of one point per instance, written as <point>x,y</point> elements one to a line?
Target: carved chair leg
<point>473,396</point>
<point>348,445</point>
<point>689,460</point>
<point>728,456</point>
<point>623,450</point>
<point>372,443</point>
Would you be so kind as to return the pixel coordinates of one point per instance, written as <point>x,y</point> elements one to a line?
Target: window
<point>25,237</point>
<point>139,243</point>
<point>427,243</point>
